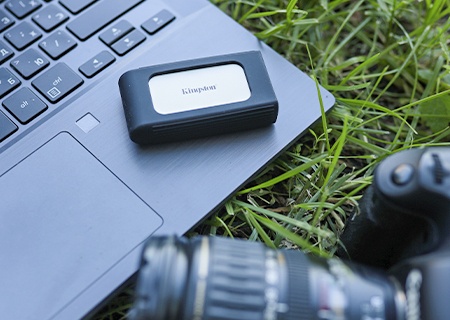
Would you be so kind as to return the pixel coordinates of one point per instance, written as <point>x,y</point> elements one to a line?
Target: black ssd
<point>198,98</point>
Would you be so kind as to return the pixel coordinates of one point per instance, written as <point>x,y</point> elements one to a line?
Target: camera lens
<point>208,278</point>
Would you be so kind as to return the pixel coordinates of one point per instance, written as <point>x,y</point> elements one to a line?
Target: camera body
<point>404,227</point>
<point>405,212</point>
<point>399,247</point>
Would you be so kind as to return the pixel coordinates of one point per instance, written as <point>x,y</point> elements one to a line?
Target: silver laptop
<point>78,197</point>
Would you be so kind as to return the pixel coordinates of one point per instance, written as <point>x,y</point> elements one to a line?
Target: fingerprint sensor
<point>87,122</point>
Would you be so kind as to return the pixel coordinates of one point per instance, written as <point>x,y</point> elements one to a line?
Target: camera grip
<point>379,235</point>
<point>406,212</point>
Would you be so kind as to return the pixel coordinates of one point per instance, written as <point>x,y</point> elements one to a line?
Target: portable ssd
<point>196,98</point>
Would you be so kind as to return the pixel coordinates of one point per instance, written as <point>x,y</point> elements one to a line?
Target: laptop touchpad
<point>69,235</point>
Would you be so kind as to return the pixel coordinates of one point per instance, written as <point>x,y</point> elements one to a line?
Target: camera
<point>394,262</point>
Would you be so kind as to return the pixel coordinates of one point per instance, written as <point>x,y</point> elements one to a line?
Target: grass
<point>388,65</point>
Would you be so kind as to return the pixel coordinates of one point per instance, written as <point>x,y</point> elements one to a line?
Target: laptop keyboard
<point>37,34</point>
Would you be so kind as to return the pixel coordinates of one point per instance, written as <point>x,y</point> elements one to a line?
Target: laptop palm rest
<point>93,212</point>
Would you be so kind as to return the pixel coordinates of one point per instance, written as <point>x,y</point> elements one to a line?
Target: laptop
<point>78,197</point>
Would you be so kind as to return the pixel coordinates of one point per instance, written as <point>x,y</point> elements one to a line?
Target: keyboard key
<point>97,64</point>
<point>5,52</point>
<point>158,21</point>
<point>29,63</point>
<point>99,16</point>
<point>22,8</point>
<point>129,42</point>
<point>58,44</point>
<point>22,35</point>
<point>5,21</point>
<point>57,82</point>
<point>7,127</point>
<point>50,17</point>
<point>76,6</point>
<point>116,32</point>
<point>24,105</point>
<point>8,82</point>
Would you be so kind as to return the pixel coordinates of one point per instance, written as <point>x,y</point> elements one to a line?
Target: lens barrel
<point>207,278</point>
<point>248,281</point>
<point>162,279</point>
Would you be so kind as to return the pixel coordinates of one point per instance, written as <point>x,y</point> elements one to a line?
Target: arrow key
<point>158,21</point>
<point>97,64</point>
<point>128,42</point>
<point>116,32</point>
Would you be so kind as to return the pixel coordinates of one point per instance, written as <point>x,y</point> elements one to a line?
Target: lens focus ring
<point>299,300</point>
<point>237,285</point>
